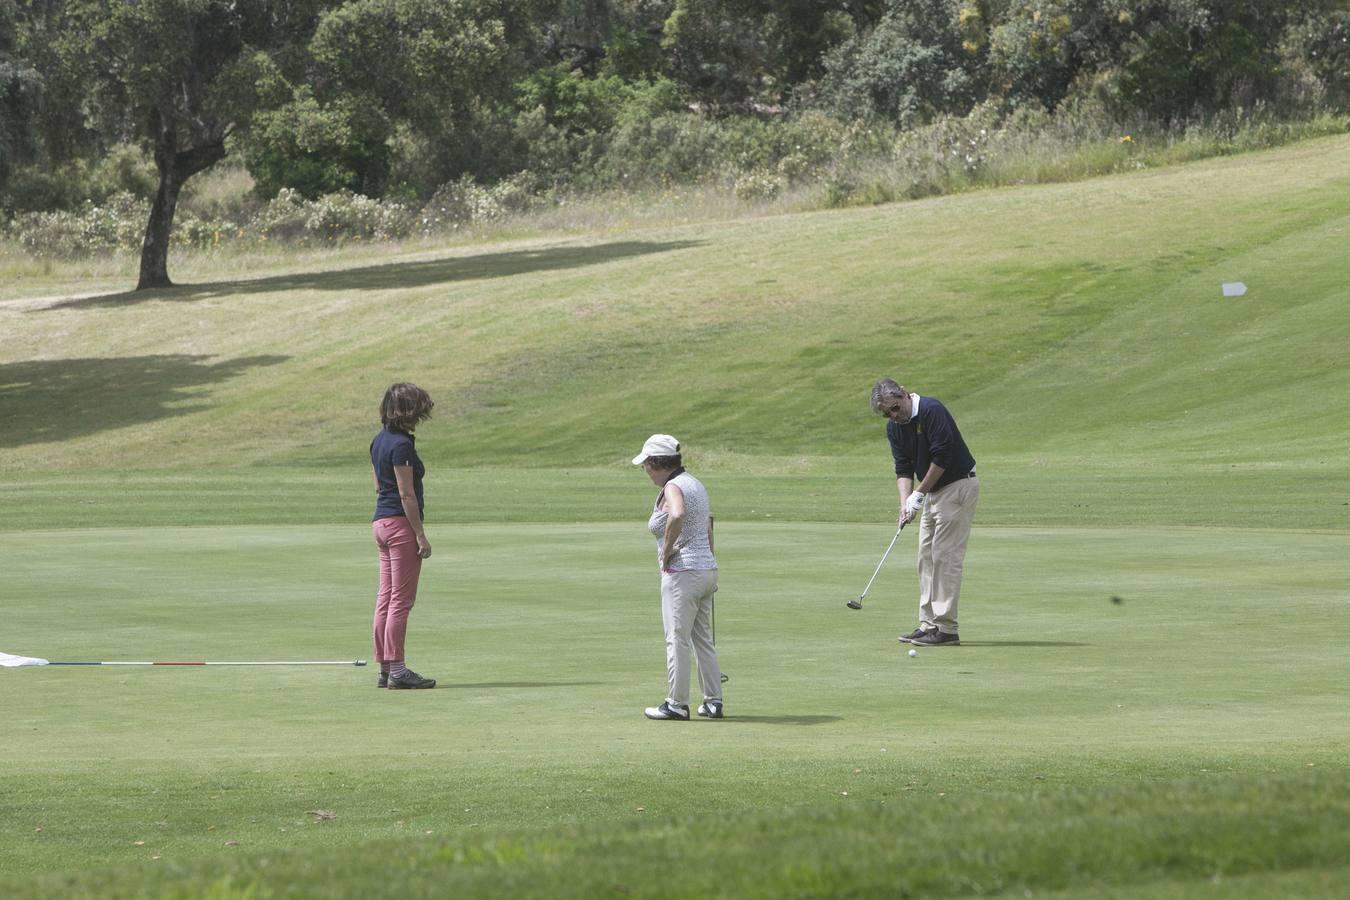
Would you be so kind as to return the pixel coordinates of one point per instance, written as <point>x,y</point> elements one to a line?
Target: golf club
<point>857,604</point>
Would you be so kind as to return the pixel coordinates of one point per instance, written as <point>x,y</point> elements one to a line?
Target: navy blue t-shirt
<point>395,448</point>
<point>930,437</point>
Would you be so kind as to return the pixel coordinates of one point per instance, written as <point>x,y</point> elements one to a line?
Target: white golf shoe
<point>667,711</point>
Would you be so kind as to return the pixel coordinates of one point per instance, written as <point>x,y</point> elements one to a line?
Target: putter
<point>857,604</point>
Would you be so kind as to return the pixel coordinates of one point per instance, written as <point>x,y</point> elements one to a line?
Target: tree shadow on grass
<point>58,399</point>
<point>400,275</point>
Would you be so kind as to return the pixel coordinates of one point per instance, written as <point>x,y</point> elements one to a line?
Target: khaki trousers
<point>944,529</point>
<point>686,612</point>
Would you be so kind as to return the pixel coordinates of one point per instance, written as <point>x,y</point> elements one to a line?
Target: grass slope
<point>1139,436</point>
<point>1087,305</point>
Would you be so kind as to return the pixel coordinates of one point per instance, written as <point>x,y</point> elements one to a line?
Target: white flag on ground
<point>10,661</point>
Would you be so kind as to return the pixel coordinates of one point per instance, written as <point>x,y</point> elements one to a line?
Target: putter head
<point>854,604</point>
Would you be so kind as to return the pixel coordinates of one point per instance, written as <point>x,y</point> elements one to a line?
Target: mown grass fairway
<point>1063,708</point>
<point>183,477</point>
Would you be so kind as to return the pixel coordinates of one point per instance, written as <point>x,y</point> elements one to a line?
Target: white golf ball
<point>913,652</point>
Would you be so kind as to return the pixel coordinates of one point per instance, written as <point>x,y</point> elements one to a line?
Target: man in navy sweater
<point>927,445</point>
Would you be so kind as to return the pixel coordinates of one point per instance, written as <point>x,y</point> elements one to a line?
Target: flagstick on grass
<point>8,660</point>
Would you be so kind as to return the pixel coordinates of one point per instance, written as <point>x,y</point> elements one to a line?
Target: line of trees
<point>400,97</point>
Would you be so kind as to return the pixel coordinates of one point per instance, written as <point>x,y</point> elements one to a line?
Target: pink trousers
<point>400,567</point>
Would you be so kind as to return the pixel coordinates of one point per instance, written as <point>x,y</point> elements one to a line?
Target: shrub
<point>465,202</point>
<point>283,218</point>
<point>758,187</point>
<point>1192,67</point>
<point>76,184</point>
<point>686,147</point>
<point>1038,49</point>
<point>20,92</point>
<point>124,169</point>
<point>330,219</point>
<point>346,216</point>
<point>952,150</point>
<point>117,224</point>
<point>201,234</point>
<point>579,132</point>
<point>552,151</point>
<point>908,69</point>
<point>721,52</point>
<point>316,149</point>
<point>648,99</point>
<point>672,147</point>
<point>486,141</point>
<point>571,101</point>
<point>632,55</point>
<point>1315,63</point>
<point>862,189</point>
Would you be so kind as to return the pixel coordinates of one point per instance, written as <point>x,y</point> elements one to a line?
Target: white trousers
<point>944,530</point>
<point>686,613</point>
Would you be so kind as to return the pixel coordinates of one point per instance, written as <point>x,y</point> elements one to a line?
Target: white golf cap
<point>657,445</point>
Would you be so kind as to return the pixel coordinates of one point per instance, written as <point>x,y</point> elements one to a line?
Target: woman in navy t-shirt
<point>398,530</point>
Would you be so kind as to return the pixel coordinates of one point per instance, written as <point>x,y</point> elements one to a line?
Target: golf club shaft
<point>882,563</point>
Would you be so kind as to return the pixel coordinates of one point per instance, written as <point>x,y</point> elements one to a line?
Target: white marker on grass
<point>1234,289</point>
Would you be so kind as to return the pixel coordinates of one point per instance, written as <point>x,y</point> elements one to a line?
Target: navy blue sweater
<point>395,448</point>
<point>930,437</point>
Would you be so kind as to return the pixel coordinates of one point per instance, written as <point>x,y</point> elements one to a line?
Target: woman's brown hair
<point>665,463</point>
<point>405,405</point>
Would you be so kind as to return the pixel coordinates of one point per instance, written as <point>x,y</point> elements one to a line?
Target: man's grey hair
<point>886,392</point>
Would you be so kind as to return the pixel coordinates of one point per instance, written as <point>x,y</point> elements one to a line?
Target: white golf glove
<point>914,503</point>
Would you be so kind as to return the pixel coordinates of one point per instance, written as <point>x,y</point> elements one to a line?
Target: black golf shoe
<point>710,709</point>
<point>666,711</point>
<point>384,680</point>
<point>410,680</point>
<point>937,638</point>
<point>910,638</point>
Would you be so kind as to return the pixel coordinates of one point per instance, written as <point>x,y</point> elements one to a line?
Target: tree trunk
<point>155,247</point>
<point>174,169</point>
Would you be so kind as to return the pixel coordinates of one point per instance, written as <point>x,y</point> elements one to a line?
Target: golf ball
<point>913,652</point>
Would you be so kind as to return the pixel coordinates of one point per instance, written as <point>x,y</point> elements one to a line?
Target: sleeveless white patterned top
<point>693,549</point>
